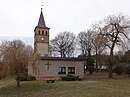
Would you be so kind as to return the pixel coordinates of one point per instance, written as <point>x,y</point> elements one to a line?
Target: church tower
<point>41,37</point>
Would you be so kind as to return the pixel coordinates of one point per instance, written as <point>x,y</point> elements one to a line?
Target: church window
<point>71,70</point>
<point>39,32</point>
<point>62,70</point>
<point>46,32</point>
<point>42,32</point>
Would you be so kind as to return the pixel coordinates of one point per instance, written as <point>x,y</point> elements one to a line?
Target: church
<point>45,67</point>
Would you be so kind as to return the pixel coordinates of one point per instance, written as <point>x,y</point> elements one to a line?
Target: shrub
<point>118,70</point>
<point>25,78</point>
<point>29,78</point>
<point>70,78</point>
<point>128,71</point>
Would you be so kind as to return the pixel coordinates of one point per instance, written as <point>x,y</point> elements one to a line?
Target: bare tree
<point>15,55</point>
<point>127,57</point>
<point>115,29</point>
<point>98,46</point>
<point>85,41</point>
<point>63,45</point>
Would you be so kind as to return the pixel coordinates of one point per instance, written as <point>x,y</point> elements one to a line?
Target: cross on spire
<point>41,22</point>
<point>42,5</point>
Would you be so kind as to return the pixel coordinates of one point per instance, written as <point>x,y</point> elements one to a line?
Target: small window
<point>71,70</point>
<point>39,32</point>
<point>62,70</point>
<point>46,32</point>
<point>42,32</point>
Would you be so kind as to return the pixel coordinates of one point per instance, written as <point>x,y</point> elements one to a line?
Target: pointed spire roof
<point>41,22</point>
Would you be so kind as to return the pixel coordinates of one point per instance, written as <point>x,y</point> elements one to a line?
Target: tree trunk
<point>18,84</point>
<point>111,63</point>
<point>18,81</point>
<point>110,71</point>
<point>96,61</point>
<point>99,60</point>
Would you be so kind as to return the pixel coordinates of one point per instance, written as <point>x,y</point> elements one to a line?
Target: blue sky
<point>19,17</point>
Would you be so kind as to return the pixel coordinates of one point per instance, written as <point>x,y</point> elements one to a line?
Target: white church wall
<point>52,69</point>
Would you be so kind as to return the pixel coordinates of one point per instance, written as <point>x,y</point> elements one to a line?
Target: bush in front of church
<point>25,78</point>
<point>70,78</point>
<point>30,78</point>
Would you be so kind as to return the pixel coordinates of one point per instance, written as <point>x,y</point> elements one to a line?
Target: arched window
<point>39,32</point>
<point>42,32</point>
<point>46,32</point>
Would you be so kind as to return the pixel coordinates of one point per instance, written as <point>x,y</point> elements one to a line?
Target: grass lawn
<point>96,85</point>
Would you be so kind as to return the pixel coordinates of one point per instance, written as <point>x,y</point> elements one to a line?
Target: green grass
<point>96,85</point>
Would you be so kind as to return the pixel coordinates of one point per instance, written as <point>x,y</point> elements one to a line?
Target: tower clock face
<point>42,38</point>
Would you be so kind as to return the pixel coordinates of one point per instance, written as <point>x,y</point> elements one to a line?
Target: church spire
<point>41,22</point>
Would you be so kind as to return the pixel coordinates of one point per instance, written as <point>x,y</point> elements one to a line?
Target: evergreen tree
<point>90,62</point>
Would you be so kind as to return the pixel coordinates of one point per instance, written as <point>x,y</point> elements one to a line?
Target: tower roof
<point>41,22</point>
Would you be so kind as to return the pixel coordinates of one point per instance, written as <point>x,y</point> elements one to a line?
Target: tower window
<point>46,32</point>
<point>42,32</point>
<point>39,32</point>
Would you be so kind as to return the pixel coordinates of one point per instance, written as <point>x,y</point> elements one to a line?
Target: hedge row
<point>25,78</point>
<point>70,78</point>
